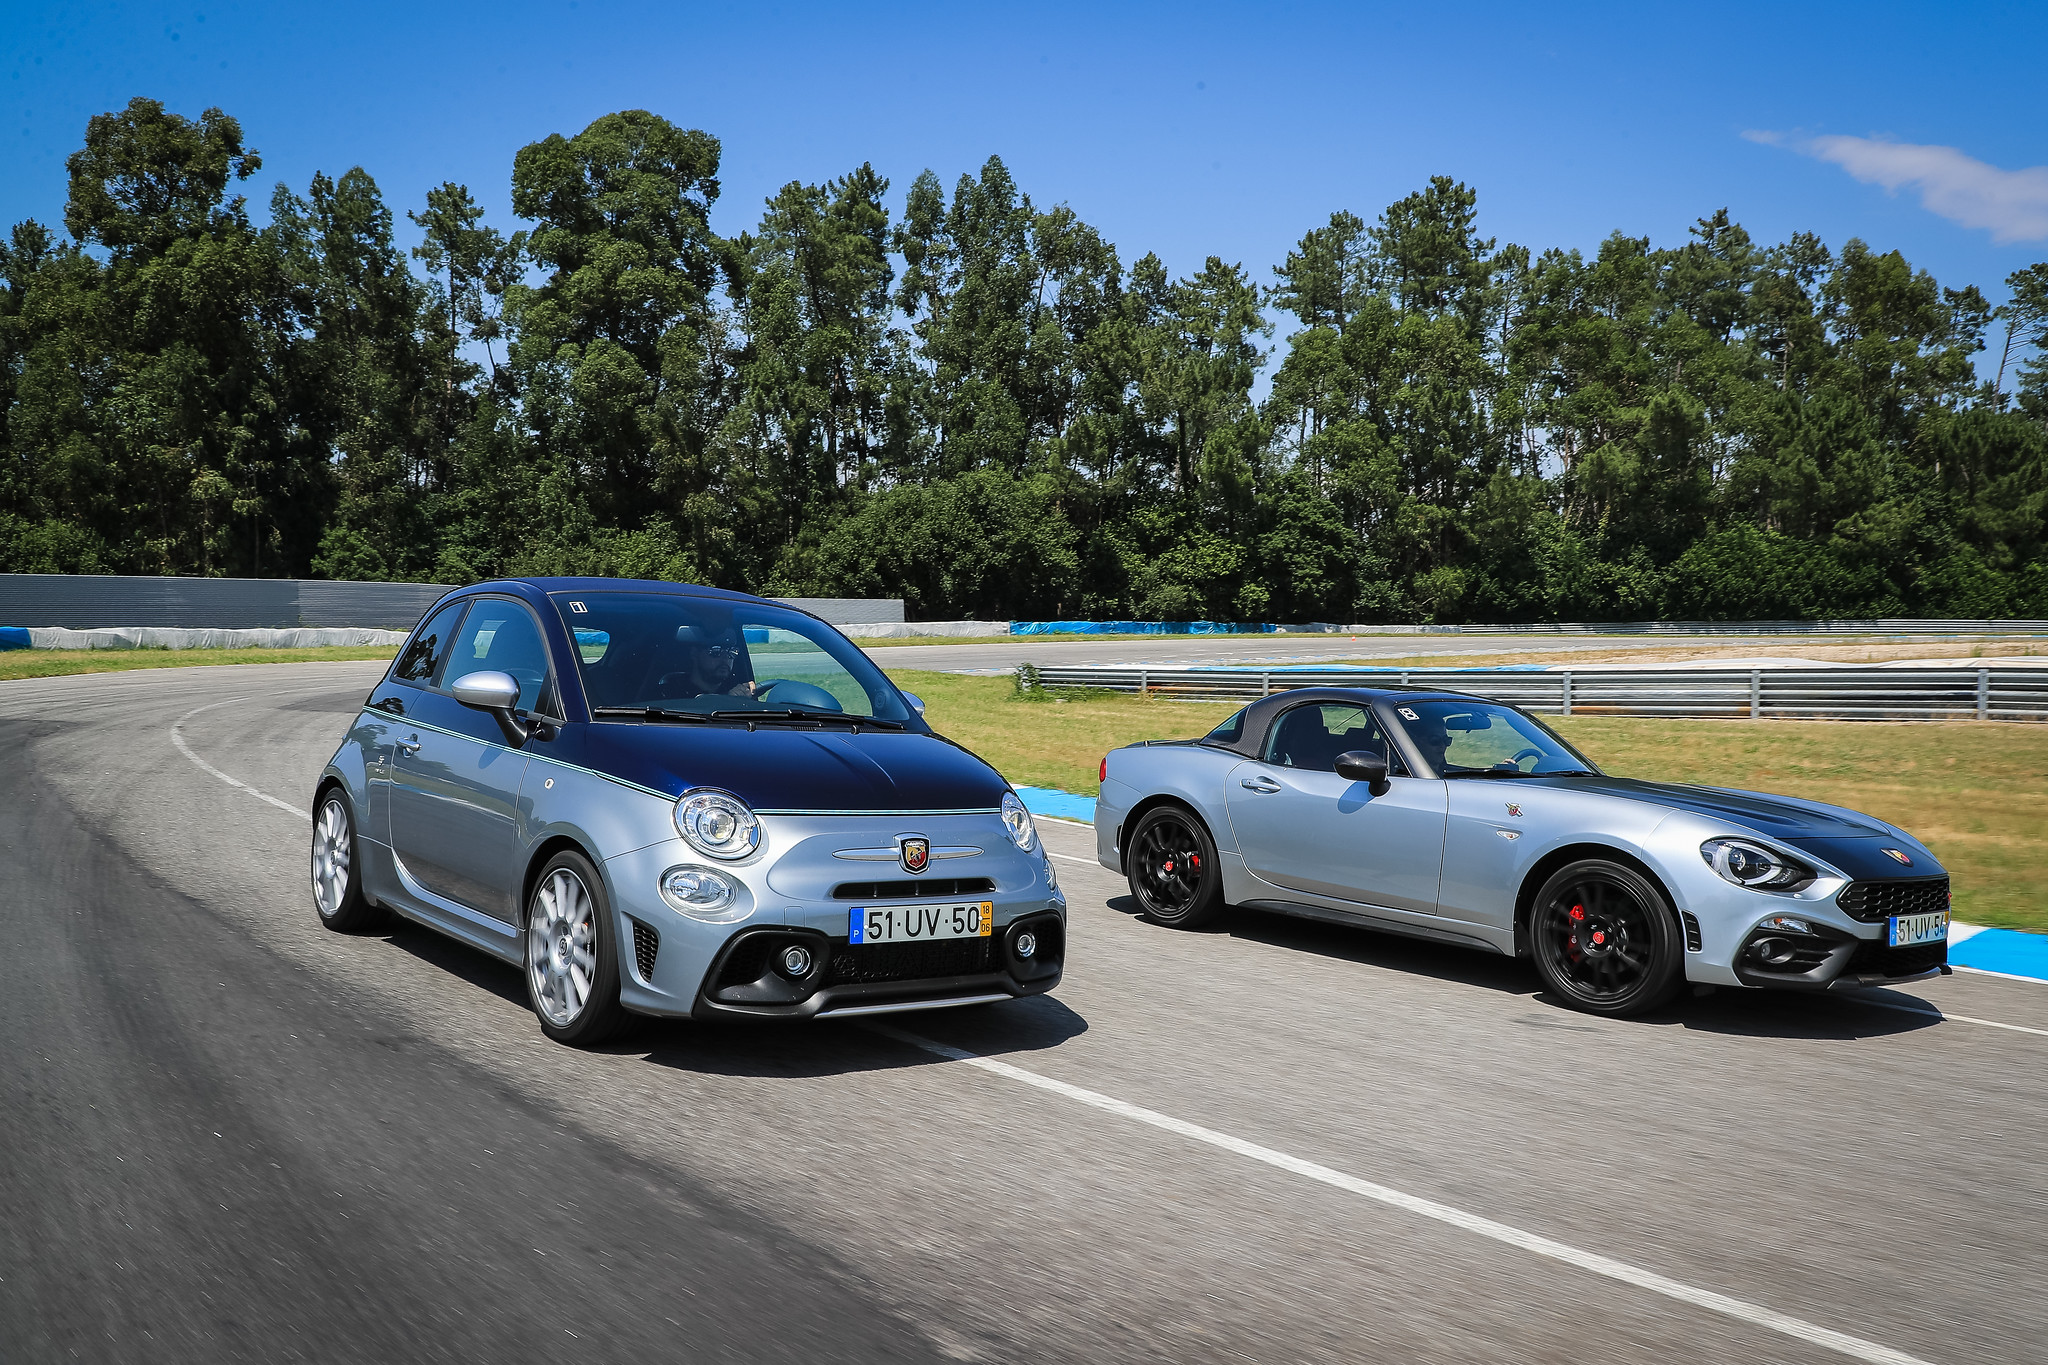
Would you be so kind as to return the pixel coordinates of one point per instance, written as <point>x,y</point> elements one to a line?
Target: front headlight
<point>1017,821</point>
<point>717,824</point>
<point>702,893</point>
<point>1754,866</point>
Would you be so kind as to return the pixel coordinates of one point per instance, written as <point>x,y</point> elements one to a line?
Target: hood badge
<point>916,852</point>
<point>1515,808</point>
<point>1901,859</point>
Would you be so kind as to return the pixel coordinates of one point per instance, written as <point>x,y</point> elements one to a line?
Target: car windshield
<point>1476,738</point>
<point>657,652</point>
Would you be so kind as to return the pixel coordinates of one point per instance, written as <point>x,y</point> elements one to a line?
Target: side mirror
<point>1363,765</point>
<point>916,702</point>
<point>497,693</point>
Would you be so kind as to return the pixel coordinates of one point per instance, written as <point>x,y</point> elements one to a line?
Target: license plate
<point>1910,929</point>
<point>919,923</point>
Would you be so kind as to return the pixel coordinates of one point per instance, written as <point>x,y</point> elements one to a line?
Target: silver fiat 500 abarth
<point>1454,818</point>
<point>667,800</point>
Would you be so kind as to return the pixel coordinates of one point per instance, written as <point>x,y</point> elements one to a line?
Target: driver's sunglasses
<point>722,652</point>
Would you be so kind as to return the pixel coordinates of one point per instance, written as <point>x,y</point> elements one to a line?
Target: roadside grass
<point>1975,792</point>
<point>51,663</point>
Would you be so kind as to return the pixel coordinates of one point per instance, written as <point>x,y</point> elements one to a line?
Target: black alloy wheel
<point>1171,864</point>
<point>1605,939</point>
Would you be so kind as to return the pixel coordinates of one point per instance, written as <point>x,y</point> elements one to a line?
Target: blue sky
<point>1185,129</point>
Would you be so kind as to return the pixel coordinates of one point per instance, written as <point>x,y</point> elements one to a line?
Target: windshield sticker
<point>1406,714</point>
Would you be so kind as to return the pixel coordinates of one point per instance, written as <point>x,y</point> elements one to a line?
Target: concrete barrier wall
<point>115,601</point>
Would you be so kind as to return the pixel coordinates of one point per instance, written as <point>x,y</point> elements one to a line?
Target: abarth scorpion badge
<point>917,854</point>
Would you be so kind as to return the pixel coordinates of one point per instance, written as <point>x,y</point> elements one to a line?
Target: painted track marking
<point>1738,1309</point>
<point>1957,1018</point>
<point>1070,858</point>
<point>178,738</point>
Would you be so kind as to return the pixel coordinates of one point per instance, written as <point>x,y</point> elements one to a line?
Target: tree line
<point>977,405</point>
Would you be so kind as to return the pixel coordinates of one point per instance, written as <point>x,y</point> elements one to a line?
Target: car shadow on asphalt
<point>801,1049</point>
<point>1740,1013</point>
<point>794,1048</point>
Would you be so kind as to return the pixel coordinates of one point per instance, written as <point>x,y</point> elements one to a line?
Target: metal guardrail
<point>1888,625</point>
<point>2019,694</point>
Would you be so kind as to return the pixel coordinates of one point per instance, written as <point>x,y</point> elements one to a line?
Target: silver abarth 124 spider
<point>1454,818</point>
<point>679,801</point>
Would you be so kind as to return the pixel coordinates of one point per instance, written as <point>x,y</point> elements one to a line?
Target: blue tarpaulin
<point>14,637</point>
<point>1137,628</point>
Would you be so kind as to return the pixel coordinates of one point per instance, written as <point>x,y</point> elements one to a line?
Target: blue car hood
<point>1850,841</point>
<point>780,769</point>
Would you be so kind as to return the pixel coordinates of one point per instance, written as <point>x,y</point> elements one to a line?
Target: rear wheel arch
<point>1525,895</point>
<point>1151,803</point>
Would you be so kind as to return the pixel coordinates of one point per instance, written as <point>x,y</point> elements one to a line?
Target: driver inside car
<point>1433,737</point>
<point>710,663</point>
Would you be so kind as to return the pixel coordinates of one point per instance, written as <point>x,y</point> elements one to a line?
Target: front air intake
<point>646,943</point>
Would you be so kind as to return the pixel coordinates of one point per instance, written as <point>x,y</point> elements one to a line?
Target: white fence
<point>1731,694</point>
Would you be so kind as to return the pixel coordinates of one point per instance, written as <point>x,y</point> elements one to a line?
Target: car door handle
<point>409,747</point>
<point>1261,783</point>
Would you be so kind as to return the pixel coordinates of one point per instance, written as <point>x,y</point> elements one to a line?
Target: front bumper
<point>845,979</point>
<point>801,891</point>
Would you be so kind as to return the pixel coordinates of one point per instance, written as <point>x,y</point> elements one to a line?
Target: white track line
<point>1960,1018</point>
<point>178,738</point>
<point>1070,858</point>
<point>1740,1310</point>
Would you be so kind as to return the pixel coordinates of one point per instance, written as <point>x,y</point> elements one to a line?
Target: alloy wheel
<point>561,946</point>
<point>333,858</point>
<point>1168,861</point>
<point>1598,939</point>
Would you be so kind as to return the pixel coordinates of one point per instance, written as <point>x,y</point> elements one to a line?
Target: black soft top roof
<point>1259,716</point>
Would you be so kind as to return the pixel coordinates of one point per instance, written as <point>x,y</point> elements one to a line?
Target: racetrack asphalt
<point>1443,650</point>
<point>233,1135</point>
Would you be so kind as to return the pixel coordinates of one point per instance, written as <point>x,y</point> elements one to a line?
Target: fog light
<point>1027,943</point>
<point>1772,952</point>
<point>1785,924</point>
<point>796,962</point>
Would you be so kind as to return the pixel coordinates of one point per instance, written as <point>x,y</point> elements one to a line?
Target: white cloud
<point>1962,189</point>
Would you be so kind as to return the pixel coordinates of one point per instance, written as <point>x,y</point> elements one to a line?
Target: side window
<point>1310,737</point>
<point>1229,732</point>
<point>428,646</point>
<point>501,637</point>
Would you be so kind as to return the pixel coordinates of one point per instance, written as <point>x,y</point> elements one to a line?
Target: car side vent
<point>1692,930</point>
<point>646,943</point>
<point>937,888</point>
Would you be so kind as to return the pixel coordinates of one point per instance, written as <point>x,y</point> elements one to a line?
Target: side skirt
<point>1362,920</point>
<point>459,922</point>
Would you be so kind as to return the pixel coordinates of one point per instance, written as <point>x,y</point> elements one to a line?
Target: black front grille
<point>935,889</point>
<point>1874,901</point>
<point>1879,959</point>
<point>909,961</point>
<point>646,943</point>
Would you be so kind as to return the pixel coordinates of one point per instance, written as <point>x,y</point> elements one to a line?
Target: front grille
<point>1874,901</point>
<point>646,943</point>
<point>909,961</point>
<point>1879,959</point>
<point>935,889</point>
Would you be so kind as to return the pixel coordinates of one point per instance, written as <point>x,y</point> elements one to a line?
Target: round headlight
<point>1017,821</point>
<point>1754,866</point>
<point>717,824</point>
<point>702,893</point>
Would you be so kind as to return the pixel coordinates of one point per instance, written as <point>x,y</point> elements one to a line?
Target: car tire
<point>571,954</point>
<point>1171,866</point>
<point>337,873</point>
<point>1605,939</point>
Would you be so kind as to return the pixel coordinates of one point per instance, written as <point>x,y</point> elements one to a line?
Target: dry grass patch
<point>51,663</point>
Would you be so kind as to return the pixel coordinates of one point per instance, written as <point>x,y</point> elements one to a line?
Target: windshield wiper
<point>797,713</point>
<point>649,713</point>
